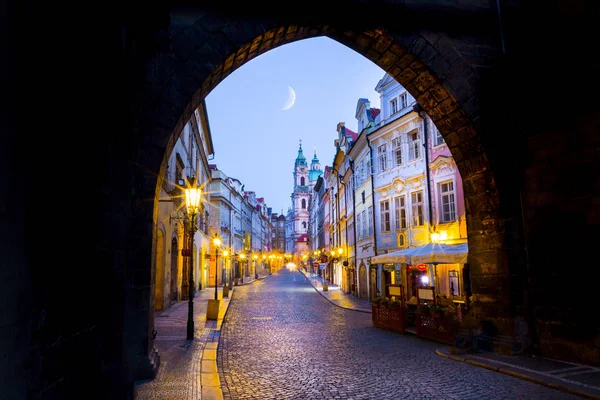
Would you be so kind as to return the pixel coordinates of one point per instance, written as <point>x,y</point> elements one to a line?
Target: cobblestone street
<point>281,339</point>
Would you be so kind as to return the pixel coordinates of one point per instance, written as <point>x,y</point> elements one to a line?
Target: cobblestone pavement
<point>280,339</point>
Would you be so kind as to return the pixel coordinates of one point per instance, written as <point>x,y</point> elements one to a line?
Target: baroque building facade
<point>298,216</point>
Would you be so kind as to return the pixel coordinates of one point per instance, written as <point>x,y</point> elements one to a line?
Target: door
<point>174,262</point>
<point>373,293</point>
<point>362,282</point>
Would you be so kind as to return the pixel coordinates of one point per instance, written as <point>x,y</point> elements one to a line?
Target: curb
<point>518,375</point>
<point>210,385</point>
<point>329,300</point>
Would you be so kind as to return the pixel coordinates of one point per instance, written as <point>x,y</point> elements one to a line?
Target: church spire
<point>300,160</point>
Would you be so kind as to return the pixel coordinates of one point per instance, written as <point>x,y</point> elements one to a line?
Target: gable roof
<point>387,78</point>
<point>349,133</point>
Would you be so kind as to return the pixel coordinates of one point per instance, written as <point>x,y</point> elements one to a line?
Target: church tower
<point>315,172</point>
<point>298,215</point>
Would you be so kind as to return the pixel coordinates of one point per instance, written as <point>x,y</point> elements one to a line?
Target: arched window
<point>303,224</point>
<point>302,183</point>
<point>303,202</point>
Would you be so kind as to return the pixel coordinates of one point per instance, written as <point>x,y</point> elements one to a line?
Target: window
<point>397,150</point>
<point>438,139</point>
<point>382,157</point>
<point>303,204</point>
<point>403,101</point>
<point>416,200</point>
<point>364,227</point>
<point>448,209</point>
<point>401,240</point>
<point>384,210</point>
<point>359,225</point>
<point>393,106</point>
<point>454,283</point>
<point>362,195</point>
<point>414,146</point>
<point>400,212</point>
<point>370,217</point>
<point>303,224</point>
<point>302,182</point>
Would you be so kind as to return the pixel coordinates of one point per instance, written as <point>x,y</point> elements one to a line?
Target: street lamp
<point>193,196</point>
<point>217,243</point>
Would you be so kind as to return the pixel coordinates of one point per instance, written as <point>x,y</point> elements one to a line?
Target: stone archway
<point>418,60</point>
<point>140,77</point>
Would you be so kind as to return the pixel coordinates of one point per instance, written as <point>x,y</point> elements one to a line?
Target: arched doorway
<point>373,293</point>
<point>362,282</point>
<point>159,291</point>
<point>174,263</point>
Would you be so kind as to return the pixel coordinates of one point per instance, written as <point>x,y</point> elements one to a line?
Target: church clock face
<point>302,169</point>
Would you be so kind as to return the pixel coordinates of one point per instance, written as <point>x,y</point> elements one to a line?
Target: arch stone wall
<point>527,165</point>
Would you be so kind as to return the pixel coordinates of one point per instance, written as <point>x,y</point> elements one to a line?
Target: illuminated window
<point>448,209</point>
<point>416,200</point>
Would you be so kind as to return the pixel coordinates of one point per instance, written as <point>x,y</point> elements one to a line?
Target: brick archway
<point>404,58</point>
<point>428,65</point>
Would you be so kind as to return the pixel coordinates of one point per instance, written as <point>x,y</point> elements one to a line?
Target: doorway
<point>174,262</point>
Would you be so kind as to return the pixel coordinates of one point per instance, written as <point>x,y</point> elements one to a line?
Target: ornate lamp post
<point>193,196</point>
<point>217,243</point>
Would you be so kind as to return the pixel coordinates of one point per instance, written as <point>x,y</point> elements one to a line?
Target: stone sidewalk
<point>336,296</point>
<point>188,369</point>
<point>578,379</point>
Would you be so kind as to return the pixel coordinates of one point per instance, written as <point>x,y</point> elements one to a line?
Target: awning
<point>437,253</point>
<point>397,257</point>
<point>432,253</point>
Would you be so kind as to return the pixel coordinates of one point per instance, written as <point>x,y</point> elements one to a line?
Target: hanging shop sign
<point>420,267</point>
<point>389,267</point>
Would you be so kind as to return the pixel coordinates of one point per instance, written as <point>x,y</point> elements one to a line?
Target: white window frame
<point>414,145</point>
<point>359,225</point>
<point>400,212</point>
<point>382,157</point>
<point>416,204</point>
<point>370,219</point>
<point>394,106</point>
<point>397,150</point>
<point>385,222</point>
<point>438,139</point>
<point>447,196</point>
<point>403,101</point>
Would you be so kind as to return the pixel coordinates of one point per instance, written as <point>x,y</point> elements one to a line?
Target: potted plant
<point>394,303</point>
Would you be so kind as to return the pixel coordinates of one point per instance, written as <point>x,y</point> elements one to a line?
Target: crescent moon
<point>290,100</point>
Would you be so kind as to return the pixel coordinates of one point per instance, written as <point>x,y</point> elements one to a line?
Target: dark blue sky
<point>256,141</point>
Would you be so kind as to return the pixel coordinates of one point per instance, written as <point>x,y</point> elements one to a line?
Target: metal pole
<point>190,319</point>
<point>216,271</point>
